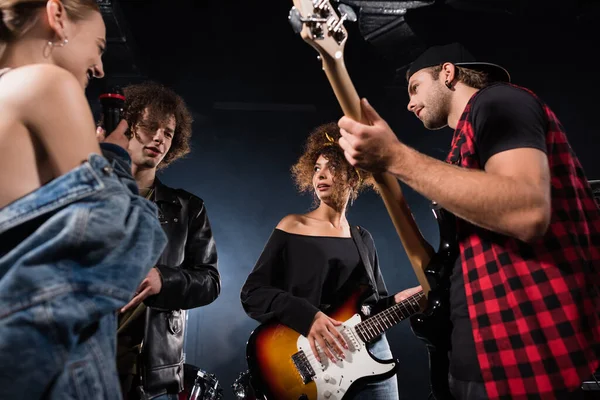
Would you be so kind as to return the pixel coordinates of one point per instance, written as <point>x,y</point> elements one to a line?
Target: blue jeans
<point>71,254</point>
<point>383,390</point>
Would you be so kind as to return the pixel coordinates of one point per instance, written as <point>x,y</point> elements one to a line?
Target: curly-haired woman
<point>311,258</point>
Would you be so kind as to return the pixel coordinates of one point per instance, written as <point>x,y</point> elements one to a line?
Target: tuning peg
<point>295,20</point>
<point>346,10</point>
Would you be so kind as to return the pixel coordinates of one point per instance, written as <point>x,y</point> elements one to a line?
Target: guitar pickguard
<point>333,379</point>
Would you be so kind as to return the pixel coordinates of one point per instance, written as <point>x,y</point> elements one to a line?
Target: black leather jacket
<point>190,279</point>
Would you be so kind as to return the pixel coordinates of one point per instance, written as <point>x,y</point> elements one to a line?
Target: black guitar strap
<point>364,256</point>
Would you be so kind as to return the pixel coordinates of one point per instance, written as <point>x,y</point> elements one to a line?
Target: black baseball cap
<point>456,54</point>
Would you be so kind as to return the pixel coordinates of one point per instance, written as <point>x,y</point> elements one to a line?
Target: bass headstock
<point>322,26</point>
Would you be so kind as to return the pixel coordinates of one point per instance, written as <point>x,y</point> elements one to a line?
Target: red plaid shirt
<point>533,307</point>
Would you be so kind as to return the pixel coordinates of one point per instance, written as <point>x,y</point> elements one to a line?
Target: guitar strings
<point>398,312</point>
<point>368,329</point>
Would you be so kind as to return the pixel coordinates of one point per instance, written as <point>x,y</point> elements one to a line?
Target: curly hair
<point>162,103</point>
<point>317,144</point>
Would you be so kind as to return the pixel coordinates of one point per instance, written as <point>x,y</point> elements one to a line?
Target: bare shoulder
<point>47,98</point>
<point>51,104</point>
<point>37,83</point>
<point>33,86</point>
<point>290,223</point>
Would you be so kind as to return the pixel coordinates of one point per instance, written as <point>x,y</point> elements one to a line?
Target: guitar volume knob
<point>326,378</point>
<point>327,394</point>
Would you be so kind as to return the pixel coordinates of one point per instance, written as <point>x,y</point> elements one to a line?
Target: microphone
<point>113,102</point>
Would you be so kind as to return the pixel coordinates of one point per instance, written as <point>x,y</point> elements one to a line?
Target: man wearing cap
<point>524,291</point>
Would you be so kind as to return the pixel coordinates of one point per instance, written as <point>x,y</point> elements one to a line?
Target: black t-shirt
<point>503,118</point>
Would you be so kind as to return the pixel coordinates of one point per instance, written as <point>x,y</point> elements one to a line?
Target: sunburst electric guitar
<point>281,362</point>
<point>283,366</point>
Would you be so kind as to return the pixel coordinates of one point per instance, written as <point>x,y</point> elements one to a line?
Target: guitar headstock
<point>322,26</point>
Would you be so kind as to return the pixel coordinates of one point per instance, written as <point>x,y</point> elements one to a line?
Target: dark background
<point>256,90</point>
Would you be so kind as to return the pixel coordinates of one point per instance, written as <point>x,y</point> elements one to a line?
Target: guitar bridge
<point>306,371</point>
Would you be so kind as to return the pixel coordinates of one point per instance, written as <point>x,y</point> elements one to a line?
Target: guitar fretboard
<point>379,323</point>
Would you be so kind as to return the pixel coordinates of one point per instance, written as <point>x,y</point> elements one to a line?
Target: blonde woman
<point>75,238</point>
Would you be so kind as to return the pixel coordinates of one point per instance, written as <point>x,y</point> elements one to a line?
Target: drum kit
<point>200,385</point>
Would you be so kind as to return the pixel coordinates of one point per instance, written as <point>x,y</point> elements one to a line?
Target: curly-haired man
<point>186,275</point>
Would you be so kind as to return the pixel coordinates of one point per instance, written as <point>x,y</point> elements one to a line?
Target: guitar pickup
<point>306,371</point>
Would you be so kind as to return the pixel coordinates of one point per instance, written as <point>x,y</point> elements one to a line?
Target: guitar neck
<point>379,323</point>
<point>419,252</point>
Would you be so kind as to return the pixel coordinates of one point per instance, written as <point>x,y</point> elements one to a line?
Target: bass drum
<point>199,385</point>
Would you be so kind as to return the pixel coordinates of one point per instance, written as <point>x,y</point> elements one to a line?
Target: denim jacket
<point>86,237</point>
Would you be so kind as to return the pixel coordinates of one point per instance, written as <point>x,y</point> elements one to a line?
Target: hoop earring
<point>50,45</point>
<point>448,84</point>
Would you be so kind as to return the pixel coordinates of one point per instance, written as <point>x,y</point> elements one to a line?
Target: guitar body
<point>433,325</point>
<point>272,349</point>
